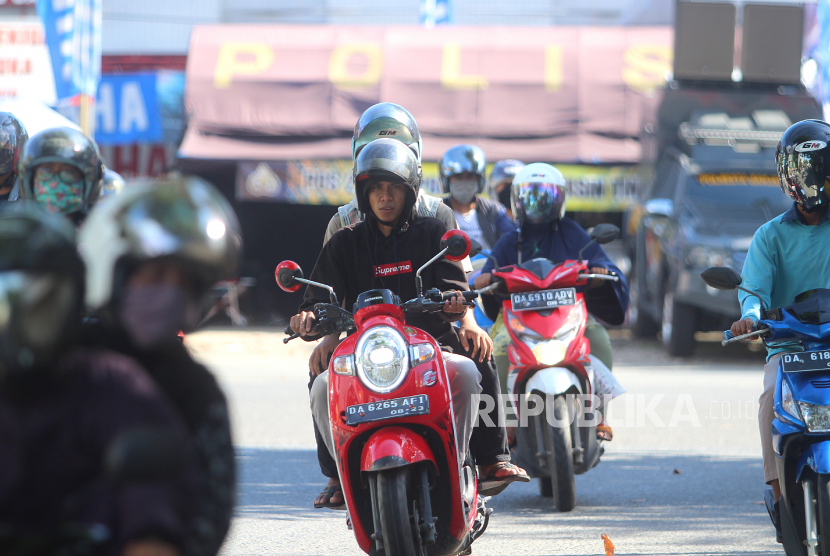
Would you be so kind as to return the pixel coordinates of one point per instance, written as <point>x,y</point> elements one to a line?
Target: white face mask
<point>463,190</point>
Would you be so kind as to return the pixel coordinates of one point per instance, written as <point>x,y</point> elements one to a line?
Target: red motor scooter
<point>551,365</point>
<point>392,421</point>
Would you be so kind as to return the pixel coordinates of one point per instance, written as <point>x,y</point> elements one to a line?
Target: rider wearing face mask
<point>152,255</point>
<point>63,408</point>
<point>13,138</point>
<point>62,170</point>
<point>462,171</point>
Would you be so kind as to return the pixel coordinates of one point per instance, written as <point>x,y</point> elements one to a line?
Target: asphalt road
<point>682,476</point>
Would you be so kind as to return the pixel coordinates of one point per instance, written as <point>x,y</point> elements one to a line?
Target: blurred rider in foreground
<point>784,261</point>
<point>13,138</point>
<point>538,198</point>
<point>152,255</point>
<point>64,408</point>
<point>62,170</point>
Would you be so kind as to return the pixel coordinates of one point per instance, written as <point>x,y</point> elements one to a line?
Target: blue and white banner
<point>127,109</point>
<point>435,12</point>
<point>73,36</point>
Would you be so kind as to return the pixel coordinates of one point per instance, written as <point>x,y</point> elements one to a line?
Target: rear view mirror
<point>144,454</point>
<point>605,233</point>
<point>721,278</point>
<point>457,244</point>
<point>475,248</point>
<point>286,275</point>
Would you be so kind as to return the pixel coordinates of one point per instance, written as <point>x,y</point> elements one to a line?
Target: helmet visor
<point>806,175</point>
<point>539,202</point>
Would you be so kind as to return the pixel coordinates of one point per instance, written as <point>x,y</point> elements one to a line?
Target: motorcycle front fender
<point>391,447</point>
<point>553,381</point>
<point>816,457</point>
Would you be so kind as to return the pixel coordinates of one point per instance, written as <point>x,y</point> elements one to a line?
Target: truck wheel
<point>560,455</point>
<point>679,326</point>
<point>642,325</point>
<point>395,525</point>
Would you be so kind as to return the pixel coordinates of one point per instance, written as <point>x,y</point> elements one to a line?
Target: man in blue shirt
<point>786,258</point>
<point>539,207</point>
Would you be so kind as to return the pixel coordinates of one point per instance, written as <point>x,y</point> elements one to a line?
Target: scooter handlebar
<point>729,338</point>
<point>608,277</point>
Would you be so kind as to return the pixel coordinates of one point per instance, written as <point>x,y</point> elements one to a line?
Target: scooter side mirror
<point>721,278</point>
<point>475,248</point>
<point>286,275</point>
<point>457,244</point>
<point>605,233</point>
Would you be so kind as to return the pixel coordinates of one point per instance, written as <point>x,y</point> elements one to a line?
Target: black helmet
<point>41,288</point>
<point>386,159</point>
<point>184,219</point>
<point>461,159</point>
<point>803,161</point>
<point>69,146</point>
<point>386,121</point>
<point>13,138</point>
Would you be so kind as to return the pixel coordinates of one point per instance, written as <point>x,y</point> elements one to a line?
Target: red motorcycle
<point>392,421</point>
<point>551,365</point>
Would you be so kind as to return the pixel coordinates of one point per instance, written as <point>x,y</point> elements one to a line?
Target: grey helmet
<point>501,177</point>
<point>186,220</point>
<point>69,146</point>
<point>113,183</point>
<point>386,121</point>
<point>386,159</point>
<point>41,289</point>
<point>461,159</point>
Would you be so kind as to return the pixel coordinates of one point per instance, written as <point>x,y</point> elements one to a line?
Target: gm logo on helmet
<point>385,133</point>
<point>810,146</point>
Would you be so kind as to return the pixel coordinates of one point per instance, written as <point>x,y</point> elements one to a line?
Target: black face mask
<point>504,196</point>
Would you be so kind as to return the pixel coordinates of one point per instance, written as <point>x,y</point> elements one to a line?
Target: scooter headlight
<point>788,402</point>
<point>816,417</point>
<point>570,328</point>
<point>382,359</point>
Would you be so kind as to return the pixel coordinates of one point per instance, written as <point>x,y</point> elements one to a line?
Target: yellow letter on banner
<point>228,63</point>
<point>451,77</point>
<point>553,67</point>
<point>646,66</point>
<point>339,71</point>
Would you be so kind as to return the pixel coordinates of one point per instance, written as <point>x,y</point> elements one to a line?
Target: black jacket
<point>359,258</point>
<point>201,404</point>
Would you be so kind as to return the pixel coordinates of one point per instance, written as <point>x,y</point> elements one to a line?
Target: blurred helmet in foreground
<point>113,183</point>
<point>71,191</point>
<point>41,289</point>
<point>538,194</point>
<point>386,160</point>
<point>187,221</point>
<point>386,121</point>
<point>803,162</point>
<point>463,159</point>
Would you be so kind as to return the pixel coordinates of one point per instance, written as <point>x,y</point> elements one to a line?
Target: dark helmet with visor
<point>386,160</point>
<point>71,193</point>
<point>803,161</point>
<point>462,159</point>
<point>13,138</point>
<point>41,289</point>
<point>386,121</point>
<point>501,178</point>
<point>538,194</point>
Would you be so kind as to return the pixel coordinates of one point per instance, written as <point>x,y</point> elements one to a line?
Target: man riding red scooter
<point>402,410</point>
<point>552,274</point>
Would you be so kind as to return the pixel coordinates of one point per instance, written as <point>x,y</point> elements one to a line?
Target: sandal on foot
<point>604,432</point>
<point>330,491</point>
<point>492,484</point>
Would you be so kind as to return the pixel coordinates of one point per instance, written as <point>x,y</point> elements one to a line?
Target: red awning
<point>568,94</point>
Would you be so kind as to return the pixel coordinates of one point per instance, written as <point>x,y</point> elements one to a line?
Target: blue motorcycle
<point>478,262</point>
<point>801,428</point>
